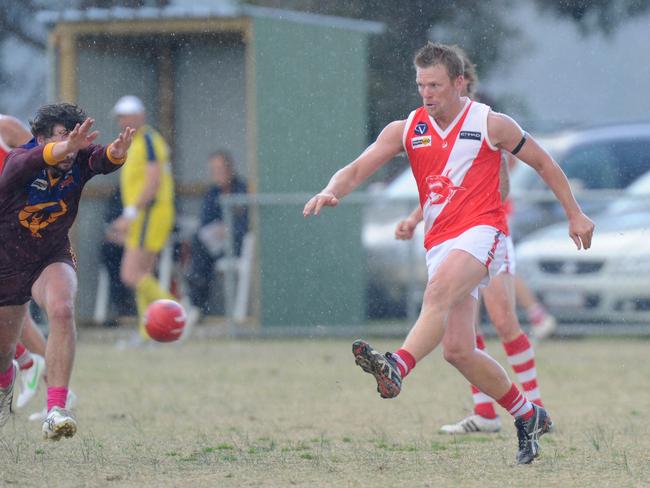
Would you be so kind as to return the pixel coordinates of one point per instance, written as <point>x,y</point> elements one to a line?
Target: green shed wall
<point>310,111</point>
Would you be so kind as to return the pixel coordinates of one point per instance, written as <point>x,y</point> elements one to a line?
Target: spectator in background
<point>209,243</point>
<point>147,219</point>
<point>111,251</point>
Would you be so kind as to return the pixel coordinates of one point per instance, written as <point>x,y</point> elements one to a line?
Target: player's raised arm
<point>79,138</point>
<point>506,134</point>
<point>104,160</point>
<point>387,146</point>
<point>119,147</point>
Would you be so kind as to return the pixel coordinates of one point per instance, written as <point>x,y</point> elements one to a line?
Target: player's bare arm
<point>506,134</point>
<point>406,228</point>
<point>153,177</point>
<point>386,147</point>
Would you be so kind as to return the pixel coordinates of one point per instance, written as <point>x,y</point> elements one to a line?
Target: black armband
<point>520,145</point>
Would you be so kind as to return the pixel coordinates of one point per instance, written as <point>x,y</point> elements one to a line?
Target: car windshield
<point>641,186</point>
<point>524,178</point>
<point>607,163</point>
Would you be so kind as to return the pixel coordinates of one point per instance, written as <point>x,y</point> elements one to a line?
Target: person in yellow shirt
<point>147,190</point>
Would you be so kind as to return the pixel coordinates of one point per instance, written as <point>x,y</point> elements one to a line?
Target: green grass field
<point>300,413</point>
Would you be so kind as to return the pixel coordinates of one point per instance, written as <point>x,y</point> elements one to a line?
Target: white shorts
<point>509,263</point>
<point>484,242</point>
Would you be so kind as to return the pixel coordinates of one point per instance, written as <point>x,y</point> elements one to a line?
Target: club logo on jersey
<point>37,217</point>
<point>45,200</point>
<point>466,134</point>
<point>441,188</point>
<point>422,141</point>
<point>421,128</point>
<point>39,184</point>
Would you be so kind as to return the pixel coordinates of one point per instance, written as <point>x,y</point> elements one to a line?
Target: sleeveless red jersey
<point>456,171</point>
<point>4,151</point>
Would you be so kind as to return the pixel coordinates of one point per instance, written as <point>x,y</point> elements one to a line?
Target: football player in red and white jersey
<point>456,143</point>
<point>499,297</point>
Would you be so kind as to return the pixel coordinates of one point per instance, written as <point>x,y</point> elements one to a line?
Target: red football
<point>165,320</point>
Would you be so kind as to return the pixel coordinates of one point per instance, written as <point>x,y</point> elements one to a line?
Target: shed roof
<point>219,10</point>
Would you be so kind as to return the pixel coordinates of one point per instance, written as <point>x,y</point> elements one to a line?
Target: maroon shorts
<point>16,285</point>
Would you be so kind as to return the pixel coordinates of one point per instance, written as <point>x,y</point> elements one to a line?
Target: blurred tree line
<point>479,27</point>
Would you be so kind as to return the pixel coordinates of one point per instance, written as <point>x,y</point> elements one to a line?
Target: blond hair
<point>432,54</point>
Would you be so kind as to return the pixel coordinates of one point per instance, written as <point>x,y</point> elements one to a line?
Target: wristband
<point>130,212</point>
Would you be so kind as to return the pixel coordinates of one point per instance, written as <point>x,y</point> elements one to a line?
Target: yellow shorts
<point>151,228</point>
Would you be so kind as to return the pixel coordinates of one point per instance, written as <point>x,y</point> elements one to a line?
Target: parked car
<point>598,158</point>
<point>604,158</point>
<point>394,267</point>
<point>608,283</point>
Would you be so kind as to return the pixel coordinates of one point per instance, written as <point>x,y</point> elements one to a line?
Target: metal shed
<point>285,91</point>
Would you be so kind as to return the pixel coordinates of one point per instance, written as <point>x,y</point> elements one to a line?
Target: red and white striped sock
<point>56,397</point>
<point>517,404</point>
<point>536,314</point>
<point>483,404</point>
<point>521,356</point>
<point>23,357</point>
<point>405,361</point>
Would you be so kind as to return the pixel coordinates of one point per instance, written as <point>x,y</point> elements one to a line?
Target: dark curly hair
<point>66,114</point>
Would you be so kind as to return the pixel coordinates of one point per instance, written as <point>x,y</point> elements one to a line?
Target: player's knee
<point>61,311</point>
<point>456,355</point>
<point>436,297</point>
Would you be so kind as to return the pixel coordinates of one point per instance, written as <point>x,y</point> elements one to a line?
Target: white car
<point>608,283</point>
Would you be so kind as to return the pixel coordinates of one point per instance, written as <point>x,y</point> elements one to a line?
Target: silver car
<point>597,158</point>
<point>608,283</point>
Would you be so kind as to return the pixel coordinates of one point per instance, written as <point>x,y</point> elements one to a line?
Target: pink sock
<point>7,377</point>
<point>56,397</point>
<point>405,361</point>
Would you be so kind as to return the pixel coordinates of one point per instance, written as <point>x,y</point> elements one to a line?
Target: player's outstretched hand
<point>81,137</point>
<point>318,201</point>
<point>581,230</point>
<point>120,146</point>
<point>405,229</point>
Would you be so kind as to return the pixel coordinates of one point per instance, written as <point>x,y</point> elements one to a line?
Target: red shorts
<point>16,285</point>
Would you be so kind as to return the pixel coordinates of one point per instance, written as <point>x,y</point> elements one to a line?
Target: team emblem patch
<point>421,128</point>
<point>39,184</point>
<point>441,188</point>
<point>422,141</point>
<point>466,134</point>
